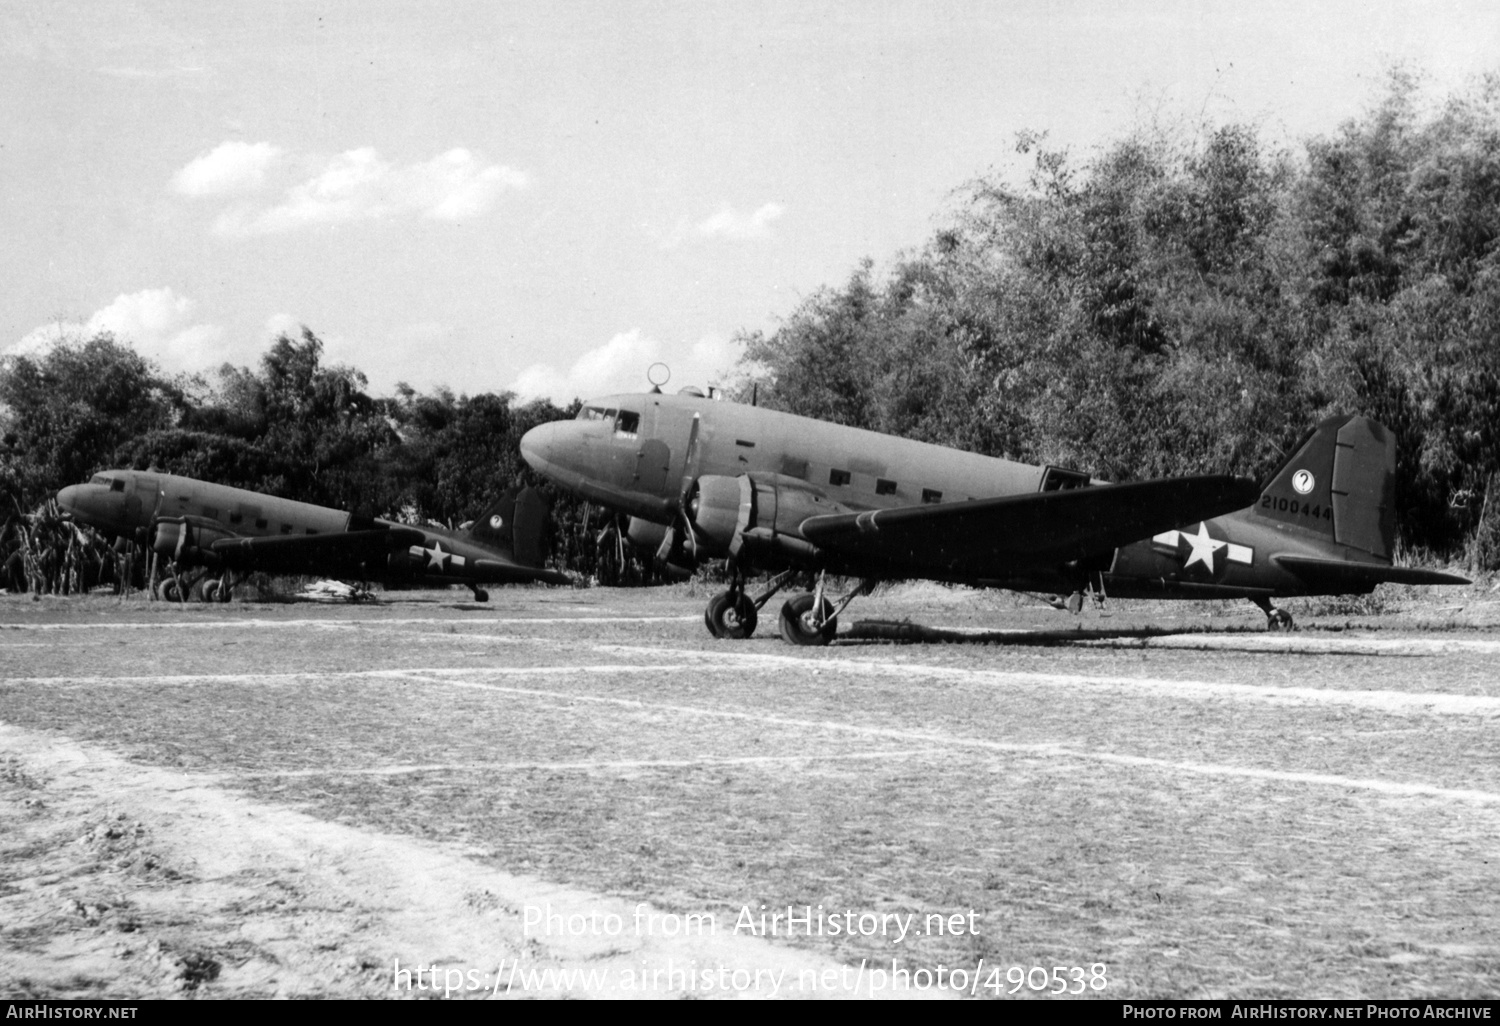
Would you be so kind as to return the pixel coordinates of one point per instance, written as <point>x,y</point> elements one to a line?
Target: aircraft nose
<point>540,445</point>
<point>69,496</point>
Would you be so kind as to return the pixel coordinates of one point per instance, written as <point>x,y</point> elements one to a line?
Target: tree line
<point>295,427</point>
<point>1185,300</point>
<point>1191,300</point>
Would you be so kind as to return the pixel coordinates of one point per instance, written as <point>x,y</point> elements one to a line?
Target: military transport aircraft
<point>231,531</point>
<point>702,478</point>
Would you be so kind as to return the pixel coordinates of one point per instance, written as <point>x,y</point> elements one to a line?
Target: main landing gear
<point>733,614</point>
<point>1277,619</point>
<point>178,587</point>
<point>480,595</point>
<point>806,619</point>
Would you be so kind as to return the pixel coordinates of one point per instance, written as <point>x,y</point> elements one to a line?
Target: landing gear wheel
<point>800,627</point>
<point>1279,620</point>
<point>730,616</point>
<point>480,595</point>
<point>171,590</point>
<point>214,591</point>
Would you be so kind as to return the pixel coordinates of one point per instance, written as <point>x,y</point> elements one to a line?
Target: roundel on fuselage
<point>497,522</point>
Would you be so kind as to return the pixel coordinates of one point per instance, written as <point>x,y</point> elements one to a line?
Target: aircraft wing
<point>333,554</point>
<point>995,538</point>
<point>1346,572</point>
<point>360,553</point>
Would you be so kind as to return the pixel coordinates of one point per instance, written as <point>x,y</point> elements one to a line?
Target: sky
<point>548,197</point>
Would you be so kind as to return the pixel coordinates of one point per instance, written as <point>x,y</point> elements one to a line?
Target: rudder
<point>1339,482</point>
<point>516,525</point>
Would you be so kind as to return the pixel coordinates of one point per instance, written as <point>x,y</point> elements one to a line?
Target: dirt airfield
<point>581,793</point>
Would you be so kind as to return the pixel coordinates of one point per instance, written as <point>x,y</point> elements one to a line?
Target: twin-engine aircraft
<point>705,479</point>
<point>233,532</point>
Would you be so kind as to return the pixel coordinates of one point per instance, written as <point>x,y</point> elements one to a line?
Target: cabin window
<point>117,485</point>
<point>747,445</point>
<point>286,528</point>
<point>260,524</point>
<point>210,512</point>
<point>838,477</point>
<point>792,467</point>
<point>312,530</point>
<point>884,487</point>
<point>629,424</point>
<point>931,495</point>
<point>235,518</point>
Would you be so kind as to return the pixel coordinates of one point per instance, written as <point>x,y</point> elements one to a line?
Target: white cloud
<point>728,223</point>
<point>358,185</point>
<point>283,324</point>
<point>620,365</point>
<point>157,323</point>
<point>230,167</point>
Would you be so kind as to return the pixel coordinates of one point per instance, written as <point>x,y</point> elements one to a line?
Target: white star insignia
<point>1203,548</point>
<point>436,557</point>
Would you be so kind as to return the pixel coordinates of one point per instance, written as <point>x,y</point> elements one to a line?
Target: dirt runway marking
<point>339,624</point>
<point>1385,701</point>
<point>1046,750</point>
<point>315,676</point>
<point>603,764</point>
<point>1300,644</point>
<point>363,902</point>
<point>1402,702</point>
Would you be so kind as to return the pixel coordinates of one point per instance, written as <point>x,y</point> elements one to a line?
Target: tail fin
<point>1340,481</point>
<point>516,525</point>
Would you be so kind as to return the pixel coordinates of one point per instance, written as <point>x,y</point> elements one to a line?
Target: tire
<point>727,617</point>
<point>213,591</point>
<point>171,590</point>
<point>1280,620</point>
<point>796,622</point>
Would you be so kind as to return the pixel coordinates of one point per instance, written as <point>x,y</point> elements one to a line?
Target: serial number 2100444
<point>1282,504</point>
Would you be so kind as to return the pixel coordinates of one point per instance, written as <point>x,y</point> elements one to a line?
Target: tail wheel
<point>799,625</point>
<point>1280,620</point>
<point>730,616</point>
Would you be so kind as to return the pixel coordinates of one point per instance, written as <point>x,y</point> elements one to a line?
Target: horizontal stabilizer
<point>491,570</point>
<point>1346,572</point>
<point>998,537</point>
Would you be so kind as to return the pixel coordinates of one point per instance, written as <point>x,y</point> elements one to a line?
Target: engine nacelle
<point>664,543</point>
<point>720,509</point>
<point>186,542</point>
<point>645,534</point>
<point>757,516</point>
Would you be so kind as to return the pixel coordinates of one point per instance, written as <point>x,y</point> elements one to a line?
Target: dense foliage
<point>295,427</point>
<point>1181,302</point>
<point>1192,302</point>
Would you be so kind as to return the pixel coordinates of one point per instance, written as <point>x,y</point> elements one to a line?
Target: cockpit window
<point>99,479</point>
<point>595,413</point>
<point>117,485</point>
<point>629,424</point>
